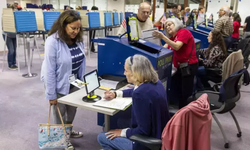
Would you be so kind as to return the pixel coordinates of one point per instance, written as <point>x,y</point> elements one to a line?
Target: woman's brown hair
<point>60,24</point>
<point>217,40</point>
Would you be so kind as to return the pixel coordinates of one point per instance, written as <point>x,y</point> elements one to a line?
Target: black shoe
<point>94,51</point>
<point>13,67</point>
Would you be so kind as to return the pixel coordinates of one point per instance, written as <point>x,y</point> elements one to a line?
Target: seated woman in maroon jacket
<point>149,106</point>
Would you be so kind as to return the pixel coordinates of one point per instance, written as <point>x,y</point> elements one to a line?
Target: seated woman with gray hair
<point>181,42</point>
<point>149,106</point>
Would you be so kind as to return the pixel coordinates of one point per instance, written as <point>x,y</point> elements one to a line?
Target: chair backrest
<point>230,91</point>
<point>233,63</point>
<point>194,119</point>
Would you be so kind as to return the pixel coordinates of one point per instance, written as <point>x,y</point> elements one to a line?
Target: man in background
<point>169,14</point>
<point>143,20</point>
<point>224,25</point>
<point>173,12</point>
<point>15,5</point>
<point>201,15</point>
<point>246,27</point>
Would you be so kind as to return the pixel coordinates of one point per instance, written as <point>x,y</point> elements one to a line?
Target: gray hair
<point>227,10</point>
<point>177,23</point>
<point>142,69</point>
<point>144,4</point>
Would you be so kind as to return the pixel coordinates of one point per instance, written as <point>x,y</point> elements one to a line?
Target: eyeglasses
<point>131,60</point>
<point>168,25</point>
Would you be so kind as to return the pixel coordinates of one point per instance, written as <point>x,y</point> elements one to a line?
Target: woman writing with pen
<point>149,106</point>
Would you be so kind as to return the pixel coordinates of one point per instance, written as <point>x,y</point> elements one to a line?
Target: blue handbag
<point>54,135</point>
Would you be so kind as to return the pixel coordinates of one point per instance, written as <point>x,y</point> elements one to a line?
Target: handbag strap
<point>190,53</point>
<point>57,107</point>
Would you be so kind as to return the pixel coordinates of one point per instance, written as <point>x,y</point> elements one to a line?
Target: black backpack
<point>244,45</point>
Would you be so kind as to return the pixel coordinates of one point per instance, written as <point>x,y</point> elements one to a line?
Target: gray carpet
<point>23,107</point>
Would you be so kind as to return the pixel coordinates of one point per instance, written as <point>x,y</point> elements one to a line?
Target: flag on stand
<point>163,19</point>
<point>124,23</point>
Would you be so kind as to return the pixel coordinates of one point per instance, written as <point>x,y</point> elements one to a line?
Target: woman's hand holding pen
<point>109,95</point>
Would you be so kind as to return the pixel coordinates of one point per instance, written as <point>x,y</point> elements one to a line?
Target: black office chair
<point>149,142</point>
<point>220,102</point>
<point>225,100</point>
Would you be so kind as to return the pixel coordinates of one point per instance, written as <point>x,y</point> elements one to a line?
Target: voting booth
<point>49,18</point>
<point>8,20</point>
<point>85,18</point>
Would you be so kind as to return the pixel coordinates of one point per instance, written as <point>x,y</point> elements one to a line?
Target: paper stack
<point>8,20</point>
<point>118,103</point>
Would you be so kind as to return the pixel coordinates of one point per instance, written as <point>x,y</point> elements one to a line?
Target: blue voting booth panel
<point>201,35</point>
<point>94,19</point>
<point>25,21</point>
<point>127,14</point>
<point>84,8</point>
<point>107,19</point>
<point>49,18</point>
<point>204,28</point>
<point>116,18</point>
<point>121,17</point>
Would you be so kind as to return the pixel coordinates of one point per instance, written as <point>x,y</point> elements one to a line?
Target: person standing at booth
<point>224,25</point>
<point>246,27</point>
<point>185,60</point>
<point>143,20</point>
<point>236,33</point>
<point>64,59</point>
<point>168,14</point>
<point>190,19</point>
<point>149,106</point>
<point>11,42</point>
<point>201,15</point>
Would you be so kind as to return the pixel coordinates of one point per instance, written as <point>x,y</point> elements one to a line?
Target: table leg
<point>107,123</point>
<point>89,43</point>
<point>24,48</point>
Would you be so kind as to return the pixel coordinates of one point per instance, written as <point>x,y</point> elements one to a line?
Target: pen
<point>81,83</point>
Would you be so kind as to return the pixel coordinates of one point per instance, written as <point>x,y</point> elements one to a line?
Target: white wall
<point>215,5</point>
<point>3,4</point>
<point>118,5</point>
<point>243,9</point>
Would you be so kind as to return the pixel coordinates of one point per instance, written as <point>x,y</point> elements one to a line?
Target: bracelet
<point>115,94</point>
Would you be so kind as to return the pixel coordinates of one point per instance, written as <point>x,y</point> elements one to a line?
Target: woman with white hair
<point>149,108</point>
<point>181,42</point>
